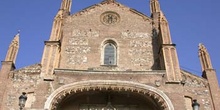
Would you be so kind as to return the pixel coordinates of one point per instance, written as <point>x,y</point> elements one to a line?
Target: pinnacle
<point>18,33</point>
<point>201,46</point>
<point>110,1</point>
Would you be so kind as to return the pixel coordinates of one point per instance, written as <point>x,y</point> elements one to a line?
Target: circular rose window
<point>110,18</point>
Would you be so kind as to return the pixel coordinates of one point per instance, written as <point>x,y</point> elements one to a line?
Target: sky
<point>191,22</point>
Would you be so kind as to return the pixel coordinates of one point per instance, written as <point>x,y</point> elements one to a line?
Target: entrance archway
<point>101,94</point>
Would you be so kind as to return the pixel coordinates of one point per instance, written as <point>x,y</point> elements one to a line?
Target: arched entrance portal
<point>108,95</point>
<point>108,100</point>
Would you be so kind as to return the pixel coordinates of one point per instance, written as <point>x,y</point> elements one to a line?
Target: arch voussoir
<point>92,85</point>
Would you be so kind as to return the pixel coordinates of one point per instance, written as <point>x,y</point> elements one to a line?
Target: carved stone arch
<point>77,87</point>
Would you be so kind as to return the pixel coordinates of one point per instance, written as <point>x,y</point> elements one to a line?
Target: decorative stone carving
<point>77,50</point>
<point>77,59</point>
<point>85,33</point>
<point>140,43</point>
<point>141,50</point>
<point>77,47</point>
<point>78,41</point>
<point>157,95</point>
<point>110,18</point>
<point>134,35</point>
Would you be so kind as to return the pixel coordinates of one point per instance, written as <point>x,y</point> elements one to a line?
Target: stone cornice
<point>150,72</point>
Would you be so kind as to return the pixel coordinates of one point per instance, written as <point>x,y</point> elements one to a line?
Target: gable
<point>93,15</point>
<point>85,34</point>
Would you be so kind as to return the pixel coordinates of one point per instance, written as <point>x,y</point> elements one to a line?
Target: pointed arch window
<point>110,53</point>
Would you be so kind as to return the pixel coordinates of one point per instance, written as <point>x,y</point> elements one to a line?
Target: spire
<point>13,49</point>
<point>204,58</point>
<point>66,5</point>
<point>165,30</point>
<point>209,74</point>
<point>154,6</point>
<point>168,55</point>
<point>58,20</point>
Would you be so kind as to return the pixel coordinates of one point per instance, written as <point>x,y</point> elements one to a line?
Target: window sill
<point>109,65</point>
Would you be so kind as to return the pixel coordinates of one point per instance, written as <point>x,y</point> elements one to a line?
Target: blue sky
<point>191,22</point>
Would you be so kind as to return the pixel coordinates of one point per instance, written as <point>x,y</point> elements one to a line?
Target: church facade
<point>108,57</point>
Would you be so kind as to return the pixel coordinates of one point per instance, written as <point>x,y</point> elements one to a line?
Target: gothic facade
<point>108,57</point>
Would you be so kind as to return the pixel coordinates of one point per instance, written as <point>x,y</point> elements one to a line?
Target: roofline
<point>119,4</point>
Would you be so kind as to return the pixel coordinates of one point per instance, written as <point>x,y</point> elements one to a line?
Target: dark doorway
<point>108,100</point>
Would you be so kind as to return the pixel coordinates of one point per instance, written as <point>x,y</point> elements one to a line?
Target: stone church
<point>108,57</point>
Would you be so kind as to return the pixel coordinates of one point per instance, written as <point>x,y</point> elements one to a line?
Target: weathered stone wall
<point>28,80</point>
<point>24,80</point>
<point>192,86</point>
<point>81,59</point>
<point>197,88</point>
<point>64,77</point>
<point>84,35</point>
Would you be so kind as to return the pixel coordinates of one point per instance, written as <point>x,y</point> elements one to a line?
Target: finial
<point>109,1</point>
<point>13,49</point>
<point>202,47</point>
<point>204,57</point>
<point>155,6</point>
<point>66,5</point>
<point>18,33</point>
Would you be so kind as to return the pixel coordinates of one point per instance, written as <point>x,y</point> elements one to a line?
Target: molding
<point>9,63</point>
<point>116,85</point>
<point>162,45</point>
<point>52,43</point>
<point>89,71</point>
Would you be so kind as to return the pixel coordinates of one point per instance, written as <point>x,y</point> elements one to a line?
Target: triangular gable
<point>111,2</point>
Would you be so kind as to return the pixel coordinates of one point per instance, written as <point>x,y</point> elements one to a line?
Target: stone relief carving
<point>78,41</point>
<point>140,50</point>
<point>136,43</point>
<point>110,18</point>
<point>85,33</point>
<point>133,35</point>
<point>77,50</point>
<point>77,59</point>
<point>77,47</point>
